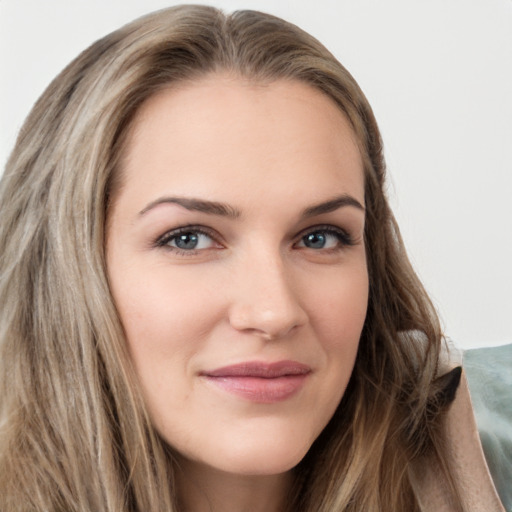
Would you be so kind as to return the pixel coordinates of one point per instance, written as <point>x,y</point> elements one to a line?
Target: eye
<point>325,238</point>
<point>187,240</point>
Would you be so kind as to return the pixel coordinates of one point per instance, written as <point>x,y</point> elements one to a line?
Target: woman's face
<point>236,259</point>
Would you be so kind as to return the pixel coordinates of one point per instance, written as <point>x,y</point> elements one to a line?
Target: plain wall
<point>439,76</point>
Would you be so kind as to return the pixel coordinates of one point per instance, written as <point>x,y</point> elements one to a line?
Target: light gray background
<point>439,76</point>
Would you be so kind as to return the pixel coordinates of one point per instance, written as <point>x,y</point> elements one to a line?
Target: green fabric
<point>489,373</point>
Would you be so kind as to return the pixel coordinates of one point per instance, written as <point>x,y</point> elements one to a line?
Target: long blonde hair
<point>74,432</point>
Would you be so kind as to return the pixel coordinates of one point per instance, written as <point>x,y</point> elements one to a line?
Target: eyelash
<point>344,238</point>
<point>163,241</point>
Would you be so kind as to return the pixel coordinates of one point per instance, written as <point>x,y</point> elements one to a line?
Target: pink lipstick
<point>260,382</point>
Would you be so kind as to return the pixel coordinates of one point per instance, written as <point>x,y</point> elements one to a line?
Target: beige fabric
<point>466,461</point>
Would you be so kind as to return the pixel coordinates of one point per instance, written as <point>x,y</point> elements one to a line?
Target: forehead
<point>223,130</point>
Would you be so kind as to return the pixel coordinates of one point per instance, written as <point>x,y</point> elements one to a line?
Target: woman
<point>213,307</point>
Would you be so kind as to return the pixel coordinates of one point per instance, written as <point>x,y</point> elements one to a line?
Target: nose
<point>266,301</point>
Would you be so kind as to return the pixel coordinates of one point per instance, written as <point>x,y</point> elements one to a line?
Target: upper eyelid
<point>323,227</point>
<point>345,237</point>
<point>171,233</point>
<point>216,237</point>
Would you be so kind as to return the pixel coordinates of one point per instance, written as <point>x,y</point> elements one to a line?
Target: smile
<point>260,382</point>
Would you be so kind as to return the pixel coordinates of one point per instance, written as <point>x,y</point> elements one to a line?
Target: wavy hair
<point>74,432</point>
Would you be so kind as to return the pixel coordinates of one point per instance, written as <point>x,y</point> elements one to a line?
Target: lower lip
<point>261,390</point>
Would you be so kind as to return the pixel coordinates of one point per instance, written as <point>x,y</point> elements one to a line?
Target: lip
<point>260,382</point>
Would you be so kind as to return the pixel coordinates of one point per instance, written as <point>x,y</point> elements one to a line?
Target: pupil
<point>187,241</point>
<point>315,240</point>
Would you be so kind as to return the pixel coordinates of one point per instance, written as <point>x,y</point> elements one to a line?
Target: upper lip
<point>260,369</point>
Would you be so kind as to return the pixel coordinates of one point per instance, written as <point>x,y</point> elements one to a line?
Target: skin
<point>254,288</point>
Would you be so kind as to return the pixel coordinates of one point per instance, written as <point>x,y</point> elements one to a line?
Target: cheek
<point>338,312</point>
<point>158,305</point>
<point>163,327</point>
<point>164,333</point>
<point>338,309</point>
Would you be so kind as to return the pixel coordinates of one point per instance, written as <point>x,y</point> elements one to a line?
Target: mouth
<point>260,382</point>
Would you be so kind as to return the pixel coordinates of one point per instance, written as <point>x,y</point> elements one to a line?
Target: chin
<point>270,455</point>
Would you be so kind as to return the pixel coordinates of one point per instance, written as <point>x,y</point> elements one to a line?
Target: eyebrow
<point>225,210</point>
<point>331,205</point>
<point>200,205</point>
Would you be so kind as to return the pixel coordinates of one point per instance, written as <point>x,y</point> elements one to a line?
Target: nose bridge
<point>265,301</point>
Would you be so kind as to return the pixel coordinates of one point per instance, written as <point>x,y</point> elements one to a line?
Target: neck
<point>205,489</point>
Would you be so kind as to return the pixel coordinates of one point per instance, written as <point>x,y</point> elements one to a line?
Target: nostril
<point>263,297</point>
<point>270,323</point>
